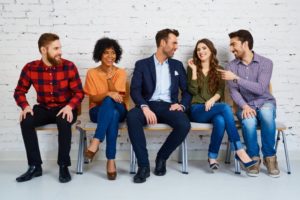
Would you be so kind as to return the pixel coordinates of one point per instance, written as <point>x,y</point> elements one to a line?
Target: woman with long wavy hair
<point>207,88</point>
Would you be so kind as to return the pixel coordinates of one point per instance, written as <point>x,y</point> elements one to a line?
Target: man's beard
<point>168,54</point>
<point>239,55</point>
<point>52,60</point>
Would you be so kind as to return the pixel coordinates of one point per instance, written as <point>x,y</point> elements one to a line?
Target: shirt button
<point>50,74</point>
<point>246,77</point>
<point>50,83</point>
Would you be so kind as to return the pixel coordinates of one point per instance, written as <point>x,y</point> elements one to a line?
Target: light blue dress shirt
<point>163,81</point>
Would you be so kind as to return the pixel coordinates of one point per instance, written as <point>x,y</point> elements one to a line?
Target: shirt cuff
<point>24,105</point>
<point>144,105</point>
<point>183,107</point>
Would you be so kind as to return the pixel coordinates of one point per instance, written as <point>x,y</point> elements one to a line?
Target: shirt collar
<point>158,63</point>
<point>254,59</point>
<point>47,68</point>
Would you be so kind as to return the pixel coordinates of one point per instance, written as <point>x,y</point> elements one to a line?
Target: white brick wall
<point>273,23</point>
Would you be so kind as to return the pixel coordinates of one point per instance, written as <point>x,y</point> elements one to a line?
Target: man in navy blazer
<point>154,89</point>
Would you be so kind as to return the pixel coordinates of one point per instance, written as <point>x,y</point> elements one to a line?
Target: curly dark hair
<point>106,43</point>
<point>213,75</point>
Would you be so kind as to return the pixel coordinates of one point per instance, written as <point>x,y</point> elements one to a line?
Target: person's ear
<point>163,42</point>
<point>43,50</point>
<point>246,45</point>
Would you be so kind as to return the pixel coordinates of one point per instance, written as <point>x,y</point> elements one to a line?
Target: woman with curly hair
<point>106,87</point>
<point>207,88</point>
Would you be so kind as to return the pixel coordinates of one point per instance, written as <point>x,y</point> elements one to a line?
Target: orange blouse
<point>96,83</point>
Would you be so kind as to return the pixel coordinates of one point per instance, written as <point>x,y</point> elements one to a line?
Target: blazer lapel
<point>172,72</point>
<point>152,70</point>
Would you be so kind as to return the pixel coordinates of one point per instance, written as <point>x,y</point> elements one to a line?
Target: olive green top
<point>201,94</point>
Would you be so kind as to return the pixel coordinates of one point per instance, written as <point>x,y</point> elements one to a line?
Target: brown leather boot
<point>272,166</point>
<point>254,170</point>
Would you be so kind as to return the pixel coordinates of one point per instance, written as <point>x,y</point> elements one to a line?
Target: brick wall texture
<point>273,23</point>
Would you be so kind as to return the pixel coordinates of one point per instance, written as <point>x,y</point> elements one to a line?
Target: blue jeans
<point>265,118</point>
<point>221,116</point>
<point>107,116</point>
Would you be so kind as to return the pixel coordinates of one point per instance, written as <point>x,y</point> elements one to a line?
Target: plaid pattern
<point>55,86</point>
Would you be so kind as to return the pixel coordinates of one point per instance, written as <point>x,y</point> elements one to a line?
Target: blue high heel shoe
<point>247,164</point>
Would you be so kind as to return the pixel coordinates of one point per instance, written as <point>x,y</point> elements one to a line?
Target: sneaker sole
<point>274,176</point>
<point>252,175</point>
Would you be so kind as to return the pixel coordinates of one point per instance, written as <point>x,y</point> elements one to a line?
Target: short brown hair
<point>46,38</point>
<point>243,36</point>
<point>164,34</point>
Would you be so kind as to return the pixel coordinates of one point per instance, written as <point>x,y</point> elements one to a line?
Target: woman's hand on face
<point>192,65</point>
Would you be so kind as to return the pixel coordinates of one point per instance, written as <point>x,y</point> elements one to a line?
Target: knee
<point>28,122</point>
<point>249,123</point>
<point>267,114</point>
<point>134,114</point>
<point>107,101</point>
<point>62,121</point>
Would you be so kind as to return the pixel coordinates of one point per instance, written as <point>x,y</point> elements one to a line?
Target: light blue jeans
<point>265,119</point>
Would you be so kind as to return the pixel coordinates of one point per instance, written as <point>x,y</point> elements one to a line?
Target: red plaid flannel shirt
<point>55,86</point>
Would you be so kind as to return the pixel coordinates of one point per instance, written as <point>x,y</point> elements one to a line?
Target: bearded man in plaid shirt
<point>59,93</point>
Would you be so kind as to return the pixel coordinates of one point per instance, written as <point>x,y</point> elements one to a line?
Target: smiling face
<point>170,45</point>
<point>108,57</point>
<point>203,52</point>
<point>52,52</point>
<point>238,48</point>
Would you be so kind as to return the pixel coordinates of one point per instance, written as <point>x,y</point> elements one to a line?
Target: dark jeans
<point>107,116</point>
<point>43,116</point>
<point>179,121</point>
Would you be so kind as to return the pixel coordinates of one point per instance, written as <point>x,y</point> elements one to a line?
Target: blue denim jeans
<point>107,116</point>
<point>265,119</point>
<point>221,116</point>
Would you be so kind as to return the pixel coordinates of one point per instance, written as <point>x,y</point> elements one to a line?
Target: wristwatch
<point>234,80</point>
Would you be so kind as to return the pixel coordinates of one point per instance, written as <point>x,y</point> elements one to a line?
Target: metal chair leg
<point>237,166</point>
<point>86,160</point>
<point>184,157</point>
<point>286,152</point>
<point>228,153</point>
<point>180,154</point>
<point>132,161</point>
<point>80,157</point>
<point>277,140</point>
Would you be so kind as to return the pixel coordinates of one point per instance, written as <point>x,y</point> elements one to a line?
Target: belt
<point>160,100</point>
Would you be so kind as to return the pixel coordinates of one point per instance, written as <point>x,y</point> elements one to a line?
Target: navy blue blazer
<point>143,82</point>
